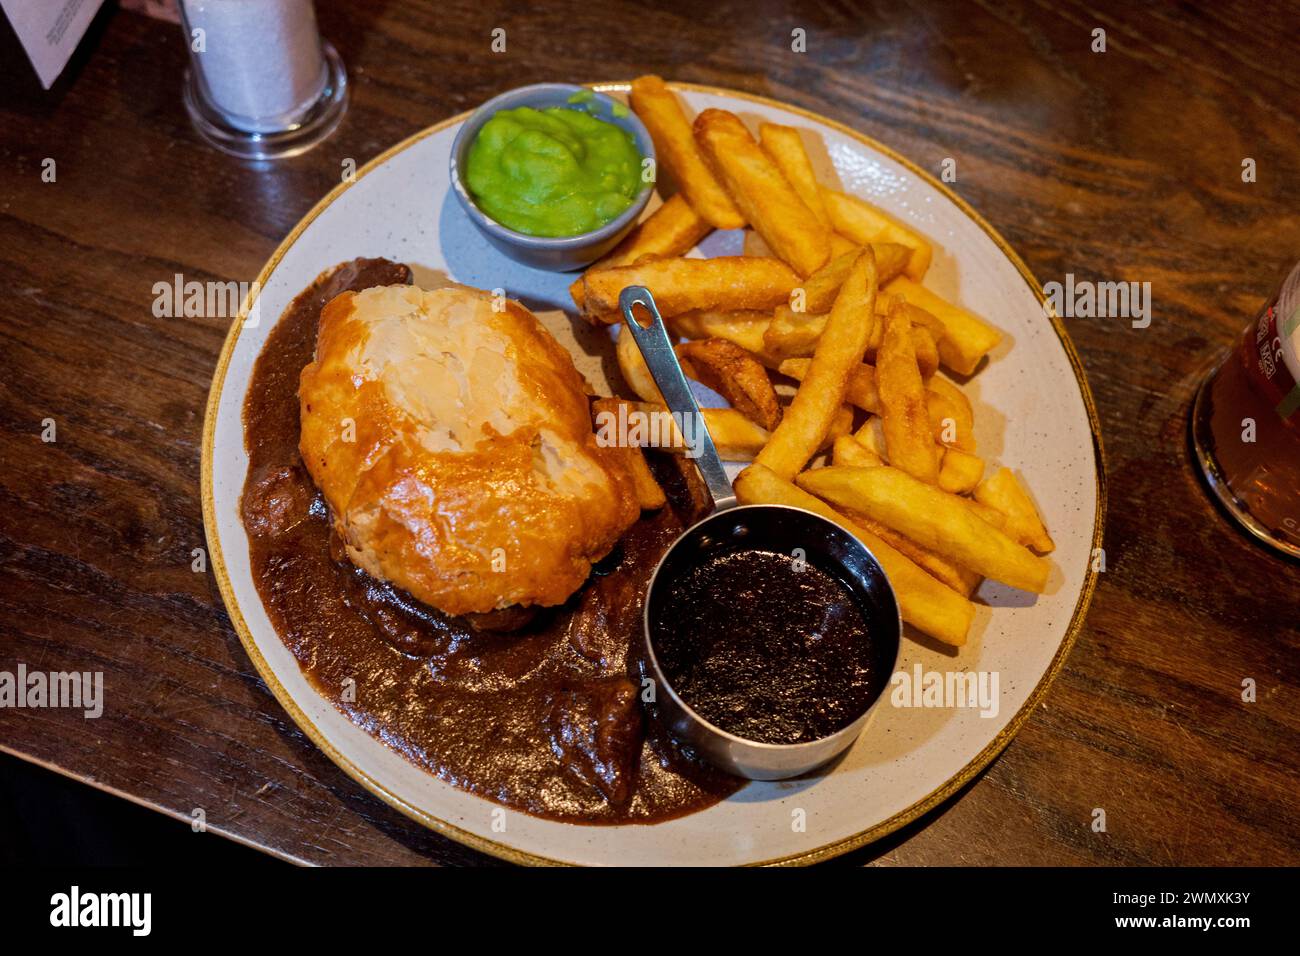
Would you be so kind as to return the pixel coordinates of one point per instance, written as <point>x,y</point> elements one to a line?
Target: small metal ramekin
<point>558,253</point>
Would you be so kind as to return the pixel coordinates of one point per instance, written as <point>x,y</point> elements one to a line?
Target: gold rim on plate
<point>501,850</point>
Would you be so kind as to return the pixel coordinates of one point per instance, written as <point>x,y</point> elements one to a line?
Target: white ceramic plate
<point>1033,413</point>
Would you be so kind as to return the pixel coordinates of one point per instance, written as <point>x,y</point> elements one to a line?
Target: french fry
<point>820,288</point>
<point>762,194</point>
<point>649,495</point>
<point>861,392</point>
<point>672,230</point>
<point>920,318</point>
<point>744,328</point>
<point>817,292</point>
<point>925,602</point>
<point>1004,492</point>
<point>784,147</point>
<point>960,472</point>
<point>938,521</point>
<point>951,414</point>
<point>927,354</point>
<point>850,452</point>
<point>909,439</point>
<point>651,425</point>
<point>736,437</point>
<point>925,349</point>
<point>805,424</point>
<point>842,244</point>
<point>622,423</point>
<point>726,368</point>
<point>966,339</point>
<point>840,426</point>
<point>872,435</point>
<point>735,375</point>
<point>991,515</point>
<point>794,334</point>
<point>961,580</point>
<point>677,151</point>
<point>680,285</point>
<point>863,223</point>
<point>631,363</point>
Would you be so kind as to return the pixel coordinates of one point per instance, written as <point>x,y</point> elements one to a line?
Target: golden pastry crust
<point>454,446</point>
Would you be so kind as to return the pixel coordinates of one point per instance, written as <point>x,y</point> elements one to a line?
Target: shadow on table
<point>50,820</point>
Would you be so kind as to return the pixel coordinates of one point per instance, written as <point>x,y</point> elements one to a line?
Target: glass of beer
<point>1246,424</point>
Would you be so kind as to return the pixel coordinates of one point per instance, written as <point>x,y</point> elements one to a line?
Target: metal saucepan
<point>776,528</point>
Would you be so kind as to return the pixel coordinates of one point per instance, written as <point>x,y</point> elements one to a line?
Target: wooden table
<point>1122,165</point>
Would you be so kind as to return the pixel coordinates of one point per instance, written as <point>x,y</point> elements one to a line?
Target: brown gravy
<point>548,719</point>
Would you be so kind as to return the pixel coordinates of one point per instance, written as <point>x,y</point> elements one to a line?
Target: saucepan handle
<point>657,350</point>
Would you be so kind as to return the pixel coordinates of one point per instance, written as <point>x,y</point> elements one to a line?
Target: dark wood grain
<point>1116,166</point>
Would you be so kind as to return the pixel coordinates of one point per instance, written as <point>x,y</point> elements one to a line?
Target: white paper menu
<point>49,31</point>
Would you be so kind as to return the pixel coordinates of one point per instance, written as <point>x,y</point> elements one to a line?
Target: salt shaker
<point>262,82</point>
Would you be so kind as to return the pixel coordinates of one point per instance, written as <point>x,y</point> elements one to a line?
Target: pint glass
<point>1246,424</point>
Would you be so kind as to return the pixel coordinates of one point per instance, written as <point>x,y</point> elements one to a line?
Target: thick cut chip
<point>938,521</point>
<point>840,349</point>
<point>726,283</point>
<point>677,152</point>
<point>764,196</point>
<point>925,602</point>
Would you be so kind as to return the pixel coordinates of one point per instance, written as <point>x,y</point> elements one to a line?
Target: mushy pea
<point>552,172</point>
